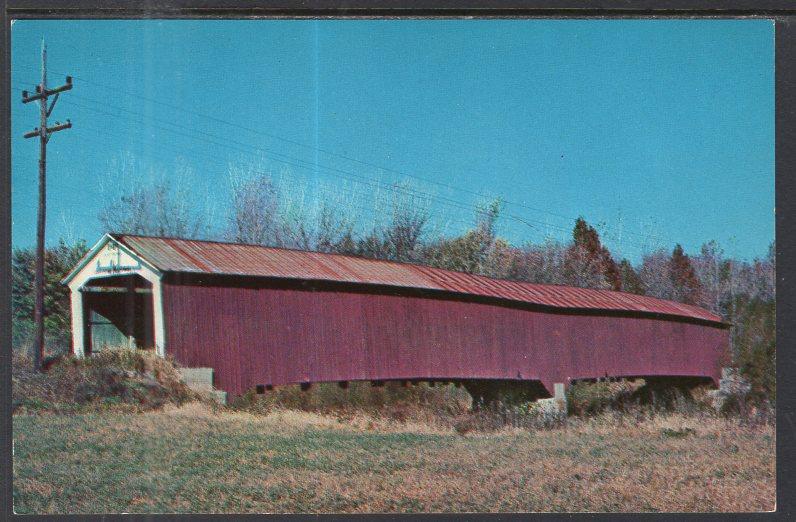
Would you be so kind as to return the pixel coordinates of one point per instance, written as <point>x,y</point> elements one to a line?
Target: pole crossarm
<point>47,92</point>
<point>55,128</point>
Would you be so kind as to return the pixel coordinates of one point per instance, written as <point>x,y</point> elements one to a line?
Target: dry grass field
<point>192,459</point>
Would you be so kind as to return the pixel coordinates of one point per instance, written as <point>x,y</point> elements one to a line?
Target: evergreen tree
<point>754,336</point>
<point>631,282</point>
<point>58,262</point>
<point>589,263</point>
<point>687,288</point>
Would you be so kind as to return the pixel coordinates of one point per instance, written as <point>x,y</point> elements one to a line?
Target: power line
<point>290,160</point>
<point>305,164</point>
<point>313,166</point>
<point>338,155</point>
<point>212,159</point>
<point>215,160</point>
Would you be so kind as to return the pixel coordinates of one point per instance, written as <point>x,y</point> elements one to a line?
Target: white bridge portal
<point>116,300</point>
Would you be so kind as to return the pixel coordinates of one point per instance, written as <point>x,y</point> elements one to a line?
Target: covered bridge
<point>262,317</point>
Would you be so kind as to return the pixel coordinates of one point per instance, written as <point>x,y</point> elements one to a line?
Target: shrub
<point>590,398</point>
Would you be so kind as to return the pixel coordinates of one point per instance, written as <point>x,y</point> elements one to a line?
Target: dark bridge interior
<point>117,313</point>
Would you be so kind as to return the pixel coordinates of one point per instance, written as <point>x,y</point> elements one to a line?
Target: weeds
<point>419,402</point>
<point>113,379</point>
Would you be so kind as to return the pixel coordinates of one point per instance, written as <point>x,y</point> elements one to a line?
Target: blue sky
<point>658,131</point>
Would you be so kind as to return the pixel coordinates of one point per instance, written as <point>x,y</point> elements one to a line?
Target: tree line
<point>741,292</point>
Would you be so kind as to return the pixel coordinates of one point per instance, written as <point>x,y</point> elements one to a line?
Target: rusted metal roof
<point>207,257</point>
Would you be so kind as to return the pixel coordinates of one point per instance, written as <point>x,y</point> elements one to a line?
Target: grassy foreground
<point>190,459</point>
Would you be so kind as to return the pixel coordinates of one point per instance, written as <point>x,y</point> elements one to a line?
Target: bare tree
<point>157,210</point>
<point>655,275</point>
<point>318,217</point>
<point>765,275</point>
<point>288,213</point>
<point>540,263</point>
<point>167,206</point>
<point>334,232</point>
<point>255,210</point>
<point>708,267</point>
<point>408,218</point>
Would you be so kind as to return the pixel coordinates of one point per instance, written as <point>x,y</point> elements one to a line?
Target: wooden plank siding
<point>264,331</point>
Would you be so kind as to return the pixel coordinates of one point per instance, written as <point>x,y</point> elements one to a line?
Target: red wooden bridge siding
<point>276,335</point>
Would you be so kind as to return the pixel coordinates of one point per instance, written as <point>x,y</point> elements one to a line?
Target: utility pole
<point>43,132</point>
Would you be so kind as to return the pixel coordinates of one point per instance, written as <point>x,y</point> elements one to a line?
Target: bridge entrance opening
<point>117,313</point>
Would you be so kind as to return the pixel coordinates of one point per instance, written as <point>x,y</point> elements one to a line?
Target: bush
<point>591,398</point>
